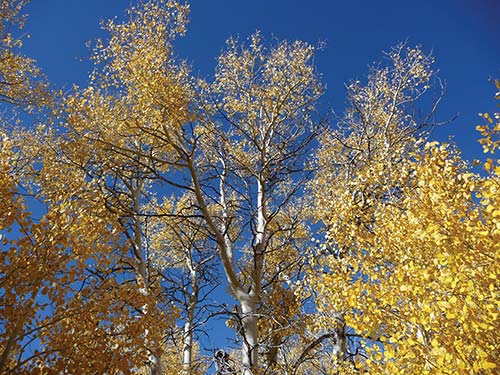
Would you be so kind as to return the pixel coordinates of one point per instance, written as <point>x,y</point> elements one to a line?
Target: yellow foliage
<point>490,130</point>
<point>416,267</point>
<point>21,82</point>
<point>409,263</point>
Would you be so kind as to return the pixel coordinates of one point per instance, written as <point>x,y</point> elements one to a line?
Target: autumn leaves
<point>153,182</point>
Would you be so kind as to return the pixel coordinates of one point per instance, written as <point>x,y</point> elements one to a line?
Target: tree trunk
<point>187,348</point>
<point>249,335</point>
<point>187,344</point>
<point>339,345</point>
<point>155,367</point>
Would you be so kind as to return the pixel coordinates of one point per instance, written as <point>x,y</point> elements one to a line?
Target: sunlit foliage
<point>411,252</point>
<point>358,246</point>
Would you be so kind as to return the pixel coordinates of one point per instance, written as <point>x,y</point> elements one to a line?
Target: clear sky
<point>463,34</point>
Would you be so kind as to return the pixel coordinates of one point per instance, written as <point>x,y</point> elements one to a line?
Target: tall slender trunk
<point>249,333</point>
<point>187,349</point>
<point>155,366</point>
<point>187,344</point>
<point>248,300</point>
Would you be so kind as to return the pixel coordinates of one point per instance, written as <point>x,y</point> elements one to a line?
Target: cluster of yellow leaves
<point>6,183</point>
<point>490,131</point>
<point>267,95</point>
<point>139,96</point>
<point>64,263</point>
<point>20,78</point>
<point>361,163</point>
<point>281,307</point>
<point>66,297</point>
<point>125,130</point>
<point>171,361</point>
<point>411,259</point>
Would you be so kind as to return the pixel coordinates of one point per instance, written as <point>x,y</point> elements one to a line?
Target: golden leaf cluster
<point>411,258</point>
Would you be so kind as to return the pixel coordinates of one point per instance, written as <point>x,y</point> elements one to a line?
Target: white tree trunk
<point>247,299</point>
<point>155,367</point>
<point>187,343</point>
<point>187,348</point>
<point>249,335</point>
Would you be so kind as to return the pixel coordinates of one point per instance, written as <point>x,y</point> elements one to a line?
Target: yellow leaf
<point>488,365</point>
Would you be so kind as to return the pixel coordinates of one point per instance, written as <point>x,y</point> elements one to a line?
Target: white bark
<point>224,251</point>
<point>248,300</point>
<point>142,276</point>
<point>249,358</point>
<point>187,344</point>
<point>250,334</point>
<point>187,348</point>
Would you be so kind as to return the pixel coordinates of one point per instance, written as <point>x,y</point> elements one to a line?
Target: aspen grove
<point>132,210</point>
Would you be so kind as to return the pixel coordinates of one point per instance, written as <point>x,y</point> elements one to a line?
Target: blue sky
<point>462,34</point>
